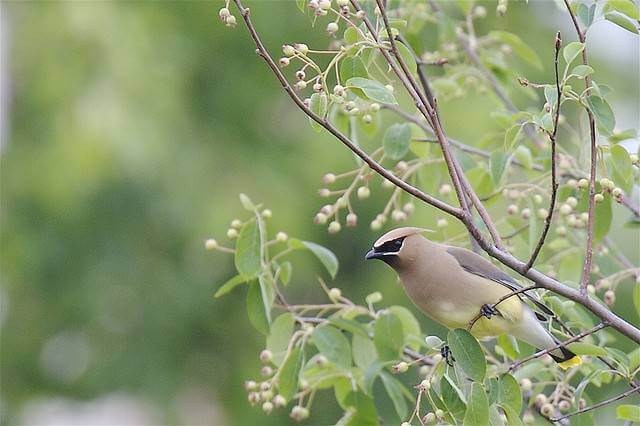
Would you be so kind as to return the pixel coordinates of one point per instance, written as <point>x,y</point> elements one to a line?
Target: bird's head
<point>396,246</point>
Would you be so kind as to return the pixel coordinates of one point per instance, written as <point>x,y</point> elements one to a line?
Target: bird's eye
<point>398,243</point>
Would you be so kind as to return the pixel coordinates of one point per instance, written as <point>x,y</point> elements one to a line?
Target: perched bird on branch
<point>459,288</point>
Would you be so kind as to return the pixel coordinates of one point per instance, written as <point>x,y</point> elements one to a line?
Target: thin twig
<point>502,299</point>
<point>554,180</point>
<point>559,345</point>
<point>588,259</point>
<point>599,404</point>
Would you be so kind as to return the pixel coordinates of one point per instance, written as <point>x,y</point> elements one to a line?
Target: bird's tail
<point>565,358</point>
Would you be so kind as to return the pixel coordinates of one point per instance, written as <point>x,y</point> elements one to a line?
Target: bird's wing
<point>478,265</point>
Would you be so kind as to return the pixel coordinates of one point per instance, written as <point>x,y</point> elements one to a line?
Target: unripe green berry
<point>540,399</point>
<point>266,213</point>
<point>266,395</point>
<point>302,48</point>
<point>343,3</point>
<point>304,384</point>
<point>334,227</point>
<point>561,231</point>
<point>526,385</point>
<point>537,198</point>
<point>425,385</point>
<point>565,209</point>
<point>542,213</point>
<point>398,216</point>
<point>232,233</point>
<point>480,11</point>
<point>299,413</point>
<point>324,4</point>
<point>572,183</point>
<point>284,61</point>
<point>279,401</point>
<point>363,192</point>
<point>250,385</point>
<point>442,223</point>
<point>375,225</point>
<point>564,406</point>
<point>598,198</point>
<point>525,213</point>
<point>321,360</point>
<point>583,183</point>
<point>584,216</point>
<point>401,367</point>
<point>616,192</point>
<point>335,294</point>
<point>387,184</point>
<point>439,414</point>
<point>445,190</point>
<point>572,201</point>
<point>324,192</point>
<point>320,219</point>
<point>367,119</point>
<point>408,208</point>
<point>267,407</point>
<point>429,418</point>
<point>266,356</point>
<point>341,202</point>
<point>266,371</point>
<point>528,418</point>
<point>317,87</point>
<point>254,398</point>
<point>231,21</point>
<point>352,220</point>
<point>381,218</point>
<point>332,27</point>
<point>301,85</point>
<point>389,88</point>
<point>210,244</point>
<point>501,9</point>
<point>224,13</point>
<point>512,209</point>
<point>609,297</point>
<point>546,409</point>
<point>374,297</point>
<point>281,237</point>
<point>288,50</point>
<point>375,107</point>
<point>265,386</point>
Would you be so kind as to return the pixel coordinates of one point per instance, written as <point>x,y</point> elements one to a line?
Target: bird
<point>452,285</point>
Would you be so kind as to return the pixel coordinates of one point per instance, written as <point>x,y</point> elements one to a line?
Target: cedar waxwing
<point>453,285</point>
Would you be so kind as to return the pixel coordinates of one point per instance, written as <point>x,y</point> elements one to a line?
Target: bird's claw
<point>488,311</point>
<point>446,354</point>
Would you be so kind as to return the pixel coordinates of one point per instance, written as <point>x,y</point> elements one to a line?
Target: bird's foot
<point>446,354</point>
<point>488,311</point>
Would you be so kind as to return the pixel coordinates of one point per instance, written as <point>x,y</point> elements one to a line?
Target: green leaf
<point>498,164</point>
<point>509,345</point>
<point>352,326</point>
<point>622,162</point>
<point>370,376</point>
<point>365,410</point>
<point>636,299</point>
<point>324,255</point>
<point>249,250</point>
<point>551,94</point>
<point>322,377</point>
<point>396,141</point>
<point>394,390</point>
<point>505,391</point>
<point>604,216</point>
<point>350,37</point>
<point>279,337</point>
<point>580,348</point>
<point>373,90</point>
<point>512,137</point>
<point>628,412</point>
<point>388,336</point>
<point>268,293</point>
<point>621,21</point>
<point>513,417</point>
<point>623,135</point>
<point>603,114</point>
<point>288,378</point>
<point>581,71</point>
<point>495,418</point>
<point>318,105</point>
<point>626,7</point>
<point>283,273</point>
<point>255,309</point>
<point>301,5</point>
<point>468,353</point>
<point>408,57</point>
<point>519,47</point>
<point>410,326</point>
<point>571,51</point>
<point>451,397</point>
<point>247,203</point>
<point>352,66</point>
<point>586,13</point>
<point>333,344</point>
<point>477,407</point>
<point>364,352</point>
<point>523,155</point>
<point>229,285</point>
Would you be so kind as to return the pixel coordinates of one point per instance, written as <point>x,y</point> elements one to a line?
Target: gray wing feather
<point>478,265</point>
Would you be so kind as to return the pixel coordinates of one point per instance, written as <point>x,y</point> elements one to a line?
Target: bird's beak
<point>371,254</point>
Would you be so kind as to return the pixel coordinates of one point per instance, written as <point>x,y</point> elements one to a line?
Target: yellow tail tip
<point>571,362</point>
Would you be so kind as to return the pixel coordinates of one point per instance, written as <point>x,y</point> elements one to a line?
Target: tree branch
<point>554,180</point>
<point>599,404</point>
<point>502,299</point>
<point>559,345</point>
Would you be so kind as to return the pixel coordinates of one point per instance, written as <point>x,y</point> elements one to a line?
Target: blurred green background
<point>128,128</point>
